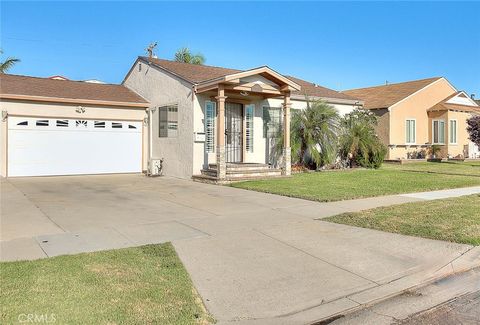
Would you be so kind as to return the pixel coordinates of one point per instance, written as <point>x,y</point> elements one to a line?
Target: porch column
<point>287,154</point>
<point>221,165</point>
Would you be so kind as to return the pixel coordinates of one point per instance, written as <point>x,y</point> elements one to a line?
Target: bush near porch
<point>362,183</point>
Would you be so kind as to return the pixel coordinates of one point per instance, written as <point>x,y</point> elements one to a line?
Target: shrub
<point>473,129</point>
<point>359,143</point>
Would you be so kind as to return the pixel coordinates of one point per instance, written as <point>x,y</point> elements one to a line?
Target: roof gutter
<point>73,101</point>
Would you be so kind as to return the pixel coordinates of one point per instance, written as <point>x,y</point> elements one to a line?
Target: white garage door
<point>46,146</point>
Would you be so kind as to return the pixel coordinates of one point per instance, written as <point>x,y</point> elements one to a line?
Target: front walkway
<point>252,256</point>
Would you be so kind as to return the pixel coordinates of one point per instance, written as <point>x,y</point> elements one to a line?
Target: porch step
<point>242,166</point>
<point>238,172</point>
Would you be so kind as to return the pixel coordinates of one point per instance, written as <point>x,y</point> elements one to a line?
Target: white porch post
<point>287,154</point>
<point>221,165</point>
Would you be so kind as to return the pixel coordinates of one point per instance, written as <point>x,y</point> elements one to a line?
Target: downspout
<point>150,137</point>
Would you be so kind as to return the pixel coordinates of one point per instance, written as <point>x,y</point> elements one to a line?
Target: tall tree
<point>8,63</point>
<point>185,55</point>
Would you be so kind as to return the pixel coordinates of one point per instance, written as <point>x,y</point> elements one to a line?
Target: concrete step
<point>231,166</point>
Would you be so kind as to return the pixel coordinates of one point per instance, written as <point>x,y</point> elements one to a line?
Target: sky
<point>340,45</point>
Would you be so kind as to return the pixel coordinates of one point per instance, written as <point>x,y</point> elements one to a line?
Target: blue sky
<point>340,45</point>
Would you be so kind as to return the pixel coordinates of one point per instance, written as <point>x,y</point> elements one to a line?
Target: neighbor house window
<point>438,131</point>
<point>249,116</point>
<point>272,121</point>
<point>411,131</point>
<point>453,131</point>
<point>168,121</point>
<point>210,113</point>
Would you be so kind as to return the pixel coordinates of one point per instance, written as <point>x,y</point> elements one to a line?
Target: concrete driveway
<point>253,257</point>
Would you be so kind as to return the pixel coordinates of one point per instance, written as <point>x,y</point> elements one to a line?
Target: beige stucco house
<point>416,114</point>
<point>212,123</point>
<point>217,123</point>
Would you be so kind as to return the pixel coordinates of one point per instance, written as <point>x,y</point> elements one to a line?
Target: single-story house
<point>209,122</point>
<point>415,115</point>
<point>222,123</point>
<point>62,127</point>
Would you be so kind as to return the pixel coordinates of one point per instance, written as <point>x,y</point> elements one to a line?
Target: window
<point>99,124</point>
<point>62,123</point>
<point>210,113</point>
<point>438,132</point>
<point>410,132</point>
<point>116,125</point>
<point>42,123</point>
<point>81,124</point>
<point>453,131</point>
<point>272,121</point>
<point>168,121</point>
<point>249,116</point>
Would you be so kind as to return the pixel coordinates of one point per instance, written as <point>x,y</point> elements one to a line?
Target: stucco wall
<point>416,107</point>
<point>56,110</point>
<point>162,88</point>
<point>462,135</point>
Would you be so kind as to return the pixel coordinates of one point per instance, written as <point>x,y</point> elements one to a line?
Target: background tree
<point>184,55</point>
<point>313,135</point>
<point>7,64</point>
<point>473,129</point>
<point>359,143</point>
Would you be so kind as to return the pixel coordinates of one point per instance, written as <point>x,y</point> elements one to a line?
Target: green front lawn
<point>456,219</point>
<point>470,168</point>
<point>141,285</point>
<point>361,183</point>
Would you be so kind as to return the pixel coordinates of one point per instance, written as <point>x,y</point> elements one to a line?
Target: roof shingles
<point>66,89</point>
<point>200,73</point>
<point>387,95</point>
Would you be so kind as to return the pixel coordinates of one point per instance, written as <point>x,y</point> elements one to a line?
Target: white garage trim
<point>41,146</point>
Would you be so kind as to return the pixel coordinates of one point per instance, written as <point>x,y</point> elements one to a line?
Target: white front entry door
<point>46,146</point>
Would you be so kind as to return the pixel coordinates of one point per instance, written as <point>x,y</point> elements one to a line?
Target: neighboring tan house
<point>416,114</point>
<point>222,123</point>
<point>62,127</point>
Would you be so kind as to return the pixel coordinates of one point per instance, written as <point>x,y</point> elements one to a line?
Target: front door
<point>233,132</point>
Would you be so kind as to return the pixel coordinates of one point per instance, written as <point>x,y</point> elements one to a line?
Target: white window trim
<point>456,131</point>
<point>214,141</point>
<point>251,135</point>
<point>433,127</point>
<point>406,130</point>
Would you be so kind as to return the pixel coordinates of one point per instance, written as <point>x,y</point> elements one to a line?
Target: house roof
<point>195,74</point>
<point>444,105</point>
<point>314,90</point>
<point>387,95</point>
<point>46,89</point>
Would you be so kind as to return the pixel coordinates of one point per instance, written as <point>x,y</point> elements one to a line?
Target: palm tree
<point>358,140</point>
<point>184,55</point>
<point>7,64</point>
<point>313,134</point>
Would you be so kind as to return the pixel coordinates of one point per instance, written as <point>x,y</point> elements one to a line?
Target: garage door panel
<point>51,150</point>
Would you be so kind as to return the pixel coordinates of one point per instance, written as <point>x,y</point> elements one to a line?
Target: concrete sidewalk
<point>253,257</point>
